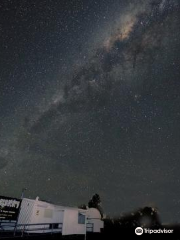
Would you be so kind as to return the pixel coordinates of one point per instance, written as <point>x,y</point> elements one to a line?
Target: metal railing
<point>8,230</point>
<point>11,229</point>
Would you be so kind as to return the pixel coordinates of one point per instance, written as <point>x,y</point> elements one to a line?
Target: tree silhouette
<point>95,202</point>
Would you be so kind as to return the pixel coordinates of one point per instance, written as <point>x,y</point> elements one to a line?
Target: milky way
<point>92,106</point>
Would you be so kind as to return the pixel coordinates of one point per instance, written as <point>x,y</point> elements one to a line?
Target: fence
<point>16,230</point>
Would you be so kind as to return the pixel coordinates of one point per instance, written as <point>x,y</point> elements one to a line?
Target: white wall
<point>70,223</point>
<point>26,211</point>
<point>35,211</point>
<point>46,213</point>
<point>97,225</point>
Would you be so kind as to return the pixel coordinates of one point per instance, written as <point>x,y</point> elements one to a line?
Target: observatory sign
<point>9,208</point>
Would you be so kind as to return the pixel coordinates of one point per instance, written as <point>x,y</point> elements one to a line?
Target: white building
<point>48,217</point>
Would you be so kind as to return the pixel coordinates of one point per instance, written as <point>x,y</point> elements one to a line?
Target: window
<point>81,218</point>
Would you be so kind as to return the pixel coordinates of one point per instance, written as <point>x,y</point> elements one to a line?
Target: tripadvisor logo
<point>139,231</point>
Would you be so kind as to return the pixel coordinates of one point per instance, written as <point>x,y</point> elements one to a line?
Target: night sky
<point>90,102</point>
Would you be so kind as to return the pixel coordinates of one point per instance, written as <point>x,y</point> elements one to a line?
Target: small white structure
<point>45,217</point>
<point>94,221</point>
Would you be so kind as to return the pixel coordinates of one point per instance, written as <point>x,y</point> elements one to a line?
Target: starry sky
<point>90,103</point>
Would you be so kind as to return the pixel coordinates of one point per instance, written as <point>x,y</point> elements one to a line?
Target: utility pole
<point>16,224</point>
<point>22,193</point>
<point>85,227</point>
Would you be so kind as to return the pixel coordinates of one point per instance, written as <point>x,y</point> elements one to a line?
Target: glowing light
<point>122,33</point>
